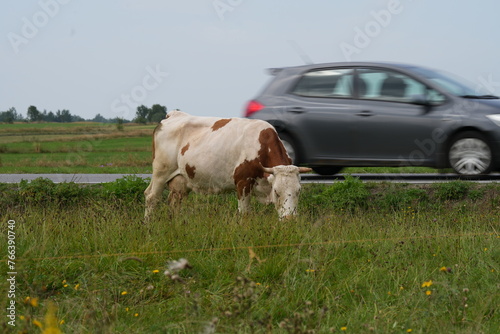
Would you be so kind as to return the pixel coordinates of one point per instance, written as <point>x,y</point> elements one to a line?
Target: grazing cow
<point>211,155</point>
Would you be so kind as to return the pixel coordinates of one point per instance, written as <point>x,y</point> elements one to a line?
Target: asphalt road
<point>306,178</point>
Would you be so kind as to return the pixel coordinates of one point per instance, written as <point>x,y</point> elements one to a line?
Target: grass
<point>75,148</point>
<point>398,259</point>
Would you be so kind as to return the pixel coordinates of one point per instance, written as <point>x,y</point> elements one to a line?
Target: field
<point>75,148</point>
<point>359,258</point>
<point>92,148</point>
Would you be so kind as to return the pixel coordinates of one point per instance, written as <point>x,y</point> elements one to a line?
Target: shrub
<point>454,190</point>
<point>42,190</point>
<point>130,187</point>
<point>347,195</point>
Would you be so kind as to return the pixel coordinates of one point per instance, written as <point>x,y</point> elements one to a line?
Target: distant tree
<point>141,115</point>
<point>34,114</point>
<point>9,116</point>
<point>157,113</point>
<point>150,115</point>
<point>50,117</point>
<point>119,123</point>
<point>99,118</point>
<point>76,118</point>
<point>65,116</point>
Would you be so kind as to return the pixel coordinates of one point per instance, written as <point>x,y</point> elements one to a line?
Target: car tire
<point>327,170</point>
<point>470,154</point>
<point>290,147</point>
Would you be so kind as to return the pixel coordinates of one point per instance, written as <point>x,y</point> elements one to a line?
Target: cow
<point>212,155</point>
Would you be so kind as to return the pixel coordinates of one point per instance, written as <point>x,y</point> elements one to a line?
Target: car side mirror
<point>421,100</point>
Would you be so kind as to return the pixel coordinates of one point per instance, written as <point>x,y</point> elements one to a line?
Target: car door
<point>390,126</point>
<point>320,112</point>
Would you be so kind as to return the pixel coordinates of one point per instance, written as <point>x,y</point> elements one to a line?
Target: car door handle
<point>364,113</point>
<point>297,110</point>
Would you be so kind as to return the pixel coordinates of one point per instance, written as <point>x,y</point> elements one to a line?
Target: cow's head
<point>285,181</point>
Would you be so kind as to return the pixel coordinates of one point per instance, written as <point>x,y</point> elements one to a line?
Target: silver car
<point>336,115</point>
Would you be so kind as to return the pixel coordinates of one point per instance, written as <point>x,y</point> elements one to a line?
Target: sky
<point>208,57</point>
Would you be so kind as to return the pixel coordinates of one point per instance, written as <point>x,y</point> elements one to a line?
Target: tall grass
<point>425,264</point>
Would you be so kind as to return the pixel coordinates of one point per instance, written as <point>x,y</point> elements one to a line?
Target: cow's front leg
<point>244,189</point>
<point>243,204</point>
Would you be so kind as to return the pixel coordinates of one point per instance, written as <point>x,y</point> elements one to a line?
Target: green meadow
<point>75,148</point>
<point>359,258</point>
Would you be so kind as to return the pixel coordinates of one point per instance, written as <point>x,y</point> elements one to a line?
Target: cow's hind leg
<point>154,192</point>
<point>178,190</point>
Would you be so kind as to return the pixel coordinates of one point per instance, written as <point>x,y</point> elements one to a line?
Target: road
<point>306,178</point>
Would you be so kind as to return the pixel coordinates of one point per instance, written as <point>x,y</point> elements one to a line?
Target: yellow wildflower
<point>136,314</point>
<point>427,284</point>
<point>156,271</point>
<point>343,328</point>
<point>409,330</point>
<point>124,293</point>
<point>37,323</point>
<point>51,322</point>
<point>428,292</point>
<point>77,286</point>
<point>34,302</point>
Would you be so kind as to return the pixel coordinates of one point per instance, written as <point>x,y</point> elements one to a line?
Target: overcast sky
<point>207,57</point>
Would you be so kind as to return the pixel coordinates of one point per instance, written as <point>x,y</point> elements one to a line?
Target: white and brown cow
<point>211,155</point>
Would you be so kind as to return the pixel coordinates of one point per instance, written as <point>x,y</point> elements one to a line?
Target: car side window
<point>386,85</point>
<point>332,83</point>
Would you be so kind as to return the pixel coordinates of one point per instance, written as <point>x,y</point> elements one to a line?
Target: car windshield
<point>453,84</point>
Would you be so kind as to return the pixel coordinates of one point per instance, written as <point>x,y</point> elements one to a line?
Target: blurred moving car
<point>335,115</point>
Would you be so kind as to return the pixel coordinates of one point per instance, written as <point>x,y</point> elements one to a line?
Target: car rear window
<point>325,83</point>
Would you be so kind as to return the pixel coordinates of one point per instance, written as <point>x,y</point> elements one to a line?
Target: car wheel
<point>327,170</point>
<point>290,147</point>
<point>470,154</point>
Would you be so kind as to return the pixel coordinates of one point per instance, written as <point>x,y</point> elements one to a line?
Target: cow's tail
<point>172,175</point>
<point>158,127</point>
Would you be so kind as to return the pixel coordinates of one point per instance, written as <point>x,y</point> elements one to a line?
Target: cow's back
<point>207,150</point>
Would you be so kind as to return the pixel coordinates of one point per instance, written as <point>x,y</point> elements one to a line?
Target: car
<point>335,115</point>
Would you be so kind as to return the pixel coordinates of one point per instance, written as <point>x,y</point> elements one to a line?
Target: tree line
<point>143,115</point>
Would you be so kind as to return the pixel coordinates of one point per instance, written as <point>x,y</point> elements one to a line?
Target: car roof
<point>274,71</point>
